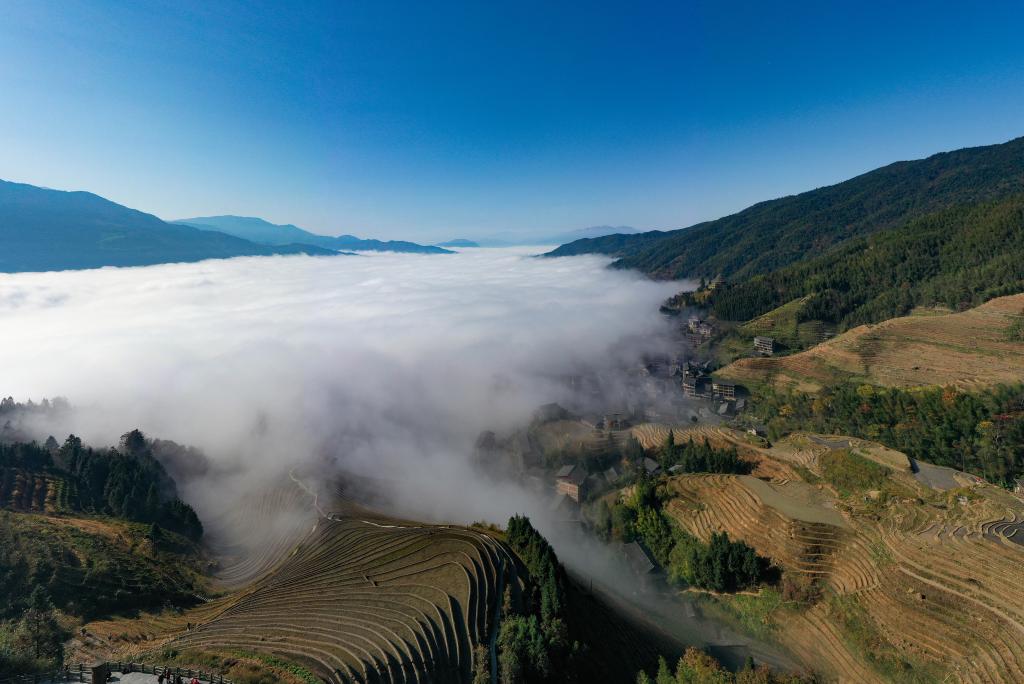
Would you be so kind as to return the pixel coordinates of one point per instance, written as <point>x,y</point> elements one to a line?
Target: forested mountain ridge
<point>956,258</point>
<point>53,230</point>
<point>776,233</point>
<point>266,233</point>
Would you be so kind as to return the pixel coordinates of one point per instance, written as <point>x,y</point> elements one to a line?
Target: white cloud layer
<point>393,363</point>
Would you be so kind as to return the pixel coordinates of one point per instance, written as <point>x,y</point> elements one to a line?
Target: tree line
<point>979,432</point>
<point>719,565</point>
<point>126,482</point>
<point>698,667</point>
<point>533,639</point>
<point>701,457</point>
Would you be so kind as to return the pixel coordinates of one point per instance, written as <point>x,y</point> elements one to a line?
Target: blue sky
<point>433,120</point>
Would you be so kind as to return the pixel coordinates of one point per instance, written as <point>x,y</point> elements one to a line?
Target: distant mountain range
<point>459,242</point>
<point>263,232</point>
<point>512,239</point>
<point>52,230</point>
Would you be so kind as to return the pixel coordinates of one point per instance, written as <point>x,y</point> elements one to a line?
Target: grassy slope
<point>93,566</point>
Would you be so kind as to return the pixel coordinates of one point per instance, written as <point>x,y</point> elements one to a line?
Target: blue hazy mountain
<point>458,242</point>
<point>515,238</point>
<point>54,230</point>
<point>266,233</point>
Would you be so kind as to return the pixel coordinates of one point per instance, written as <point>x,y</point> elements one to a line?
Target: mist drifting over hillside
<point>389,365</point>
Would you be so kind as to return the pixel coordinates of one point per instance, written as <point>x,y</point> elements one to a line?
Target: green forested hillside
<point>127,482</point>
<point>774,234</point>
<point>957,258</point>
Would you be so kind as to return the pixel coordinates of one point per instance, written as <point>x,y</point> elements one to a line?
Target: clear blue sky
<point>432,120</point>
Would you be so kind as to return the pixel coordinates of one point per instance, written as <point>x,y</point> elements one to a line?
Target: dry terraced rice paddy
<point>938,582</point>
<point>968,349</point>
<point>369,600</point>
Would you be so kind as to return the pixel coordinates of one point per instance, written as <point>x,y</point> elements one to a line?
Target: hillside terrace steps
<point>980,649</point>
<point>712,503</point>
<point>820,641</point>
<point>1000,626</point>
<point>362,600</point>
<point>975,580</point>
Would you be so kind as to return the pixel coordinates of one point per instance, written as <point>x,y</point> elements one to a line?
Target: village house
<point>640,561</point>
<point>569,481</point>
<point>764,345</point>
<point>757,430</point>
<point>721,389</point>
<point>563,509</point>
<point>699,331</point>
<point>651,466</point>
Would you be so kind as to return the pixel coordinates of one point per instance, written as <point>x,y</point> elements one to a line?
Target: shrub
<point>850,473</point>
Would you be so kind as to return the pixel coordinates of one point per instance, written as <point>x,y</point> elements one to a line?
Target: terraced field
<point>968,349</point>
<point>251,540</point>
<point>912,591</point>
<point>653,435</point>
<point>371,600</point>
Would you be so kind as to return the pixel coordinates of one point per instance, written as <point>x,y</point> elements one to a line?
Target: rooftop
<point>638,558</point>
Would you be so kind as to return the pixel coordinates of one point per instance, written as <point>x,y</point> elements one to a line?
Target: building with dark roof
<point>569,480</point>
<point>639,559</point>
<point>651,466</point>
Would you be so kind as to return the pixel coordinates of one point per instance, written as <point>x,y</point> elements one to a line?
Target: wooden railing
<point>83,673</point>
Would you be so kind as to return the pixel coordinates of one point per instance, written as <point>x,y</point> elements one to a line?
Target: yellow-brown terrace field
<point>921,579</point>
<point>350,596</point>
<point>968,349</point>
<point>346,594</point>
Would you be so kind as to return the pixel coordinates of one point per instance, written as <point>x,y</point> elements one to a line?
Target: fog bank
<point>391,363</point>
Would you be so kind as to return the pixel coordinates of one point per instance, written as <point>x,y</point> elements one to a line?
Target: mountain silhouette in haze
<point>266,233</point>
<point>53,230</point>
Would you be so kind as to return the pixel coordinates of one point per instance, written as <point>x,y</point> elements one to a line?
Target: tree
<point>481,665</point>
<point>132,443</point>
<point>664,675</point>
<point>38,631</point>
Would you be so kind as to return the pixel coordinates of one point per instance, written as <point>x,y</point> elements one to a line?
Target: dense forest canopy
<point>977,432</point>
<point>958,257</point>
<point>126,482</point>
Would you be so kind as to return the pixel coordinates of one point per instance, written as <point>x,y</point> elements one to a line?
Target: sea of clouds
<point>391,363</point>
<point>384,365</point>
